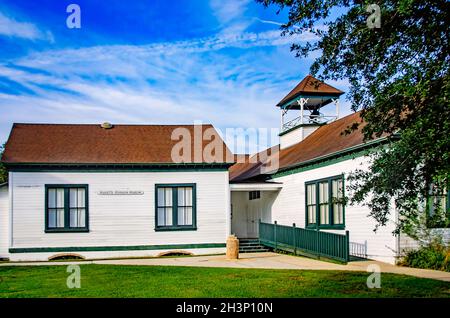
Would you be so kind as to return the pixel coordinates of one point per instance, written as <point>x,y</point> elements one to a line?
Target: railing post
<point>347,244</point>
<point>317,242</point>
<point>259,231</point>
<point>275,235</point>
<point>293,239</point>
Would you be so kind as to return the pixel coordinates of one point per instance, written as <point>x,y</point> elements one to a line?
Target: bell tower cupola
<point>302,110</point>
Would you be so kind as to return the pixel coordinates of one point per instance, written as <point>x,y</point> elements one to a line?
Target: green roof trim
<point>339,156</point>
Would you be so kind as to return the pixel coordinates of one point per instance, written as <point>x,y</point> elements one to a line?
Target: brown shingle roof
<point>91,144</point>
<point>324,141</point>
<point>250,166</point>
<point>310,86</point>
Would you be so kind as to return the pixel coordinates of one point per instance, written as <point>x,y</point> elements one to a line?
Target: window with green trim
<point>311,204</point>
<point>325,203</point>
<point>175,207</point>
<point>66,208</point>
<point>438,209</point>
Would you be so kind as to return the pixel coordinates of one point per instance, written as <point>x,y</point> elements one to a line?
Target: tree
<point>399,78</point>
<point>3,172</point>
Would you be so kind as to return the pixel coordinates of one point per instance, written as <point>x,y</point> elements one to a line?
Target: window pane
<point>77,218</point>
<point>52,198</point>
<point>337,188</point>
<point>73,198</point>
<point>189,216</point>
<point>169,216</point>
<point>324,215</point>
<point>160,196</point>
<point>184,216</point>
<point>60,218</point>
<point>334,188</point>
<point>182,196</point>
<point>81,197</point>
<point>164,197</point>
<point>60,198</point>
<point>52,218</point>
<point>73,218</point>
<point>323,192</point>
<point>161,218</point>
<point>338,217</point>
<point>337,193</point>
<point>185,196</point>
<point>81,217</point>
<point>189,194</point>
<point>168,196</point>
<point>311,194</point>
<point>165,217</point>
<point>311,214</point>
<point>181,215</point>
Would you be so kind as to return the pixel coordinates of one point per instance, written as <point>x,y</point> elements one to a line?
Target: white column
<point>228,206</point>
<point>281,119</point>
<point>302,109</point>
<point>336,102</point>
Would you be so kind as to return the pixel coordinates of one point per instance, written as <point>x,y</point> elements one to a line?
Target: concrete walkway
<point>260,260</point>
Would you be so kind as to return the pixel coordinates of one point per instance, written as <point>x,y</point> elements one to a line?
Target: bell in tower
<point>301,110</point>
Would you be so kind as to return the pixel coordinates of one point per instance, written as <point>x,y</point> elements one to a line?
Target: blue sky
<point>220,62</point>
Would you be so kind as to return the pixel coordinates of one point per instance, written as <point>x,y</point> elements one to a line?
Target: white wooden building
<point>298,181</point>
<point>103,191</point>
<point>100,192</point>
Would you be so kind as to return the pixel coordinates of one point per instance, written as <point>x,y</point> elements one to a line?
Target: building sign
<point>121,192</point>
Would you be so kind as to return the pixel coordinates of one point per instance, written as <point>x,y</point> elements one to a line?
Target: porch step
<point>251,246</point>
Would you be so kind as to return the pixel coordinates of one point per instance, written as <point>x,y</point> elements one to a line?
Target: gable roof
<point>92,144</point>
<point>310,86</point>
<point>249,167</point>
<point>326,140</point>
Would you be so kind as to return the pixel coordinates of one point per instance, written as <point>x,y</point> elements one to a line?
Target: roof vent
<point>107,125</point>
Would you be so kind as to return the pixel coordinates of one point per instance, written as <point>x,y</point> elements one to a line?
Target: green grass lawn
<point>168,281</point>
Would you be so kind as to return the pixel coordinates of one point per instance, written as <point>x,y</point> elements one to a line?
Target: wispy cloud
<point>25,30</point>
<point>232,78</point>
<point>159,83</point>
<point>231,15</point>
<point>227,11</point>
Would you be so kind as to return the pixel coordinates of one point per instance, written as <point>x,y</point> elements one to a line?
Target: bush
<point>432,256</point>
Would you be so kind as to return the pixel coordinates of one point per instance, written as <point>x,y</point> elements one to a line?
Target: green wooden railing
<point>304,241</point>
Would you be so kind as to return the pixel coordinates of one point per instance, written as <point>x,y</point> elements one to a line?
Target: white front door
<point>253,216</point>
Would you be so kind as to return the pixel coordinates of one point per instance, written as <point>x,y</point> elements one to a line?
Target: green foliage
<point>432,256</point>
<point>3,171</point>
<point>399,77</point>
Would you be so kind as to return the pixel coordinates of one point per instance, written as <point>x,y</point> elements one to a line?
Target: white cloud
<point>13,28</point>
<point>175,82</point>
<point>229,10</point>
<point>231,15</point>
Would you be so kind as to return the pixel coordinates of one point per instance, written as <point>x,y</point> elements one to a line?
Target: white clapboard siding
<point>120,220</point>
<point>289,207</point>
<point>4,221</point>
